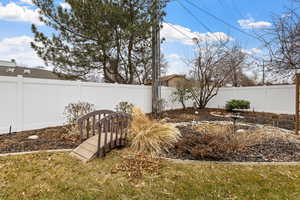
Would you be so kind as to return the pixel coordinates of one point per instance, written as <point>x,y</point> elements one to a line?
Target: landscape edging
<point>177,161</point>
<point>32,152</point>
<point>198,162</point>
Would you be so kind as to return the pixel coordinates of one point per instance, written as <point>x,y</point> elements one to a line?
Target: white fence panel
<point>8,103</point>
<point>28,103</point>
<point>275,99</point>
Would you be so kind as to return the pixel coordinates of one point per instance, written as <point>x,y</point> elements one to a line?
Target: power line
<point>198,20</point>
<point>194,16</point>
<point>178,30</point>
<point>221,20</point>
<point>236,8</point>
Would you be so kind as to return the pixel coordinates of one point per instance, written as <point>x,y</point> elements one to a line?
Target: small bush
<point>151,136</point>
<point>75,110</point>
<point>125,107</point>
<point>237,104</point>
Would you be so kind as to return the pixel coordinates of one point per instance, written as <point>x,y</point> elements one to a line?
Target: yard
<point>59,176</point>
<point>205,135</point>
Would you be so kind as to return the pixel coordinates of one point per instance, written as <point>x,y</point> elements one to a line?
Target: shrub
<point>125,107</point>
<point>237,104</point>
<point>72,112</point>
<point>182,93</point>
<point>151,136</point>
<point>75,110</point>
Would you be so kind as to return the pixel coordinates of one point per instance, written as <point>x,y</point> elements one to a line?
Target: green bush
<point>237,104</point>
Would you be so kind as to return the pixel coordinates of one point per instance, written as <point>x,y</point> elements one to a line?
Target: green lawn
<point>58,176</point>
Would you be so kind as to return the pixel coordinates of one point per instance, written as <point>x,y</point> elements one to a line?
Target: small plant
<point>182,94</point>
<point>75,110</point>
<point>151,136</point>
<point>237,104</point>
<point>125,107</point>
<point>162,104</point>
<point>72,112</point>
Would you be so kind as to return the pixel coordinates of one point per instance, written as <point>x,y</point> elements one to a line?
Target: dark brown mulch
<point>282,121</point>
<point>272,150</point>
<point>49,138</point>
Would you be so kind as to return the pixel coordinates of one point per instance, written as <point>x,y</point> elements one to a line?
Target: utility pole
<point>155,57</point>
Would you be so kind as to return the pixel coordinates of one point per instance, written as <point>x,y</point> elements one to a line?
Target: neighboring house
<point>11,69</point>
<point>171,80</point>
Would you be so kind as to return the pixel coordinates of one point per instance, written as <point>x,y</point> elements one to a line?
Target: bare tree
<point>235,62</point>
<point>283,43</point>
<point>209,71</point>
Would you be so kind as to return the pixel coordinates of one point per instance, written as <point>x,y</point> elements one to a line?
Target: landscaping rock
<point>33,137</point>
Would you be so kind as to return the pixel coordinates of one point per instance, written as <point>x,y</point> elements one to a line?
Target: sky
<point>184,20</point>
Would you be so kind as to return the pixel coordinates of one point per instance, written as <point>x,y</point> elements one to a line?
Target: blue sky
<point>16,17</point>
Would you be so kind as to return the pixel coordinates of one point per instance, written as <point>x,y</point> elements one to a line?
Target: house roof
<point>169,77</point>
<point>7,69</point>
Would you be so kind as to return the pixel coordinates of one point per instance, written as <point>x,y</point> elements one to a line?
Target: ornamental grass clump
<point>151,136</point>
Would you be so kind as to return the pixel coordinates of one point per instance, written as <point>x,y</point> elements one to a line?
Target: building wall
<point>28,103</point>
<point>175,81</point>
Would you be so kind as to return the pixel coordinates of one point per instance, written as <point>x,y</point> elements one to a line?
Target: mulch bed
<point>272,150</point>
<point>282,121</point>
<point>49,138</point>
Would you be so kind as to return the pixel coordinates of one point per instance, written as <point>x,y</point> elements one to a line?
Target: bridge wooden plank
<point>89,148</point>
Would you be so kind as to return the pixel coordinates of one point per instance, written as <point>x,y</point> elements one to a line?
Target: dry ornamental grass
<point>151,136</point>
<point>217,141</point>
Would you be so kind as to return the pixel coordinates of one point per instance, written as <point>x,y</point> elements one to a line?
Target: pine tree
<point>112,37</point>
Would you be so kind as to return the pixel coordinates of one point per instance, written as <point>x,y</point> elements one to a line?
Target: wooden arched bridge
<point>100,132</point>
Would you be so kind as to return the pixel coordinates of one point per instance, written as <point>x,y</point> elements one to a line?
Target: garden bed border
<point>32,152</point>
<point>177,161</point>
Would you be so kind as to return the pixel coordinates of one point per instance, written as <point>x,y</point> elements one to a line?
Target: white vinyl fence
<point>274,99</point>
<point>27,103</point>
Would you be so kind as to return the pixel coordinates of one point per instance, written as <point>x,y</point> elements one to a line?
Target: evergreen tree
<point>109,36</point>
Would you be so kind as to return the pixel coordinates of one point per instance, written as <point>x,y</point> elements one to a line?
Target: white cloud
<point>177,33</point>
<point>14,12</point>
<point>65,5</point>
<point>252,24</point>
<point>27,2</point>
<point>18,48</point>
<point>173,56</point>
<point>252,51</point>
<point>176,64</point>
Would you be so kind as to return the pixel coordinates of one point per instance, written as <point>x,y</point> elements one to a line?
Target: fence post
<point>20,104</point>
<point>79,84</point>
